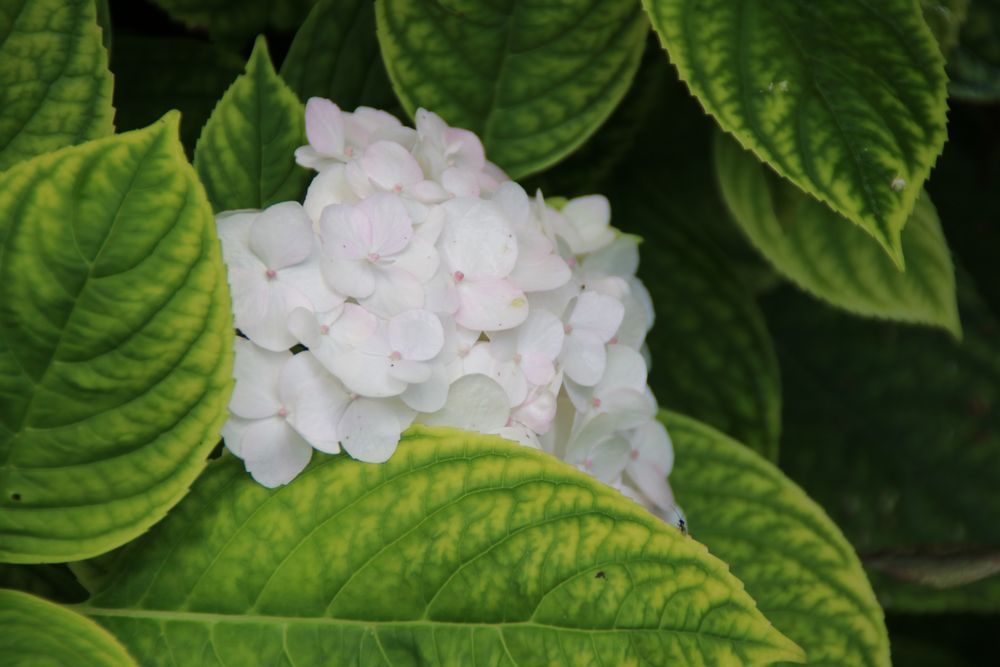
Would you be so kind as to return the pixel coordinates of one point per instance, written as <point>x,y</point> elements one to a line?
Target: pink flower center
<point>571,262</point>
<point>517,358</point>
<point>324,329</point>
<point>374,257</point>
<point>397,188</point>
<point>459,276</point>
<point>635,454</point>
<point>395,356</point>
<point>271,274</point>
<point>510,420</point>
<point>568,329</point>
<point>613,341</point>
<point>588,464</point>
<point>596,402</point>
<point>350,151</point>
<point>282,412</point>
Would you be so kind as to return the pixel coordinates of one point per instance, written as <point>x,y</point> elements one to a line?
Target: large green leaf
<point>534,80</point>
<point>55,88</point>
<point>844,98</point>
<point>115,343</point>
<point>945,17</point>
<point>156,74</point>
<point>246,153</point>
<point>818,250</point>
<point>237,20</point>
<point>794,561</point>
<point>894,429</point>
<point>335,55</point>
<point>462,549</point>
<point>975,63</point>
<point>712,357</point>
<point>34,632</point>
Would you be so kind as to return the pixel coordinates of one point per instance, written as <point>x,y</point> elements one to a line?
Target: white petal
<point>390,166</point>
<point>419,259</point>
<point>354,327</point>
<point>477,240</point>
<point>460,182</point>
<point>391,227</point>
<point>282,235</point>
<point>416,334</point>
<point>651,445</point>
<point>271,330</point>
<point>520,434</point>
<point>583,358</point>
<point>324,126</point>
<point>307,278</point>
<point>549,273</point>
<point>370,430</point>
<point>652,482</point>
<point>346,232</point>
<point>621,258</point>
<point>273,452</point>
<point>475,403</point>
<point>542,334</point>
<point>505,373</point>
<point>353,277</point>
<point>256,370</point>
<point>314,400</point>
<point>233,431</point>
<point>591,216</point>
<point>329,187</point>
<point>607,461</point>
<point>490,305</point>
<point>441,295</point>
<point>233,228</point>
<point>626,369</point>
<point>538,411</point>
<point>429,396</point>
<point>514,202</point>
<point>598,314</point>
<point>395,291</point>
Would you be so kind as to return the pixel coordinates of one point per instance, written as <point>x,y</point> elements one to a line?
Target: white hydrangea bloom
<point>427,287</point>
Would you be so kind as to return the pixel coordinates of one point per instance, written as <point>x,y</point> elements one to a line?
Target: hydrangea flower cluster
<point>418,284</point>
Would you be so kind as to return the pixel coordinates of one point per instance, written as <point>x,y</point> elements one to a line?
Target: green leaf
<point>53,582</point>
<point>950,568</point>
<point>235,21</point>
<point>462,549</point>
<point>845,99</point>
<point>898,428</point>
<point>794,561</point>
<point>832,259</point>
<point>246,153</point>
<point>533,80</point>
<point>156,74</point>
<point>335,55</point>
<point>36,632</point>
<point>712,357</point>
<point>115,343</point>
<point>975,64</point>
<point>55,88</point>
<point>977,597</point>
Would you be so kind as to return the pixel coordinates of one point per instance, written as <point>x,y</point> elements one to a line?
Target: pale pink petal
<point>549,273</point>
<point>460,182</point>
<point>651,445</point>
<point>490,305</point>
<point>538,411</point>
<point>477,240</point>
<point>345,232</point>
<point>282,235</point>
<point>354,327</point>
<point>395,291</point>
<point>538,369</point>
<point>464,148</point>
<point>416,335</point>
<point>390,166</point>
<point>256,371</point>
<point>391,227</point>
<point>324,126</point>
<point>597,314</point>
<point>370,430</point>
<point>427,192</point>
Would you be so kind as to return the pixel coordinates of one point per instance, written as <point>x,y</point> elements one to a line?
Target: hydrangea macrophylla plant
<point>418,284</point>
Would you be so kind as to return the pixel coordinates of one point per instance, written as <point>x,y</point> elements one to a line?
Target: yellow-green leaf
<point>115,343</point>
<point>844,98</point>
<point>34,632</point>
<point>463,549</point>
<point>794,561</point>
<point>55,88</point>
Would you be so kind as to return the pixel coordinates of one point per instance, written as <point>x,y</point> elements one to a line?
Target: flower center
<point>271,274</point>
<point>459,276</point>
<point>517,358</point>
<point>397,188</point>
<point>613,341</point>
<point>635,454</point>
<point>588,464</point>
<point>282,412</point>
<point>350,151</point>
<point>571,262</point>
<point>596,402</point>
<point>395,356</point>
<point>324,329</point>
<point>374,257</point>
<point>568,329</point>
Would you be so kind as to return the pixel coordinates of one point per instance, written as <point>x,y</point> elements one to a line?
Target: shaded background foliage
<point>901,446</point>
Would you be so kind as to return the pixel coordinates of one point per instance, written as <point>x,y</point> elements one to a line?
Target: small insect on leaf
<point>600,575</point>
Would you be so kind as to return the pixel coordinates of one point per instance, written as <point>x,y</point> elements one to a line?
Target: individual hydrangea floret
<point>418,284</point>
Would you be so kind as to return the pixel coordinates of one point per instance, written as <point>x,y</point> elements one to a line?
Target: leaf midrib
<point>264,619</point>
